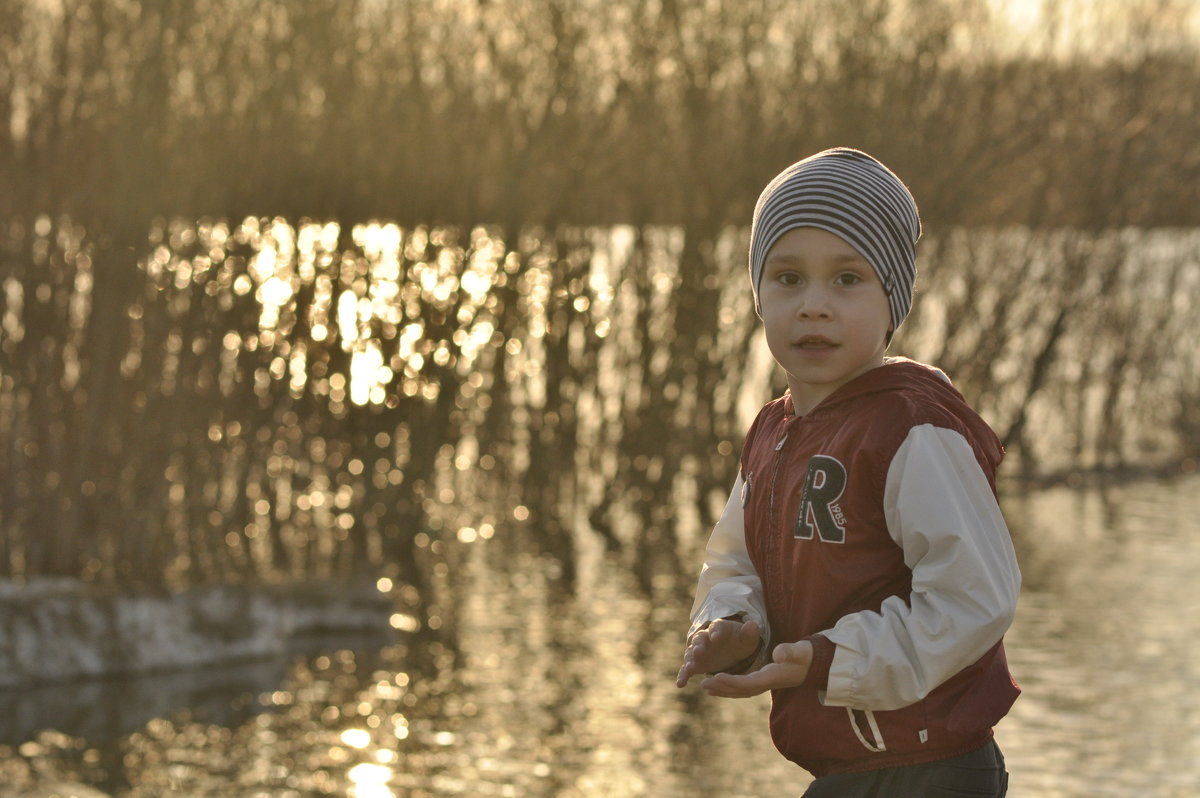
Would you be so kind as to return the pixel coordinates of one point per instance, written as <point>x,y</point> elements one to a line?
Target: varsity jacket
<point>870,527</point>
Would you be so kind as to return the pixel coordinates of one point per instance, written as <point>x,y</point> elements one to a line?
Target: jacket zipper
<point>775,476</point>
<point>773,536</point>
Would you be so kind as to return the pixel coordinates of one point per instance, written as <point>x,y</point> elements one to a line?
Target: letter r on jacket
<point>820,513</point>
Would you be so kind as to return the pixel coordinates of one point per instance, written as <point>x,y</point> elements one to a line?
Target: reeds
<point>177,407</point>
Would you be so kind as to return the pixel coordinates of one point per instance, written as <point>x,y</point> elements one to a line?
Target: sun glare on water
<point>370,781</point>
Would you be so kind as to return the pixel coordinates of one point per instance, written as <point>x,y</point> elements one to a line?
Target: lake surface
<point>523,437</point>
<point>550,681</point>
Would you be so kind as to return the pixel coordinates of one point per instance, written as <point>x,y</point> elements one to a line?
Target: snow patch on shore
<point>57,630</point>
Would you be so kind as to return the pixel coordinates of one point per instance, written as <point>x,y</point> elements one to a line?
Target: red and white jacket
<point>871,527</point>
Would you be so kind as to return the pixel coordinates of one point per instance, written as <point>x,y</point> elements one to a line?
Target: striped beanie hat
<point>850,194</point>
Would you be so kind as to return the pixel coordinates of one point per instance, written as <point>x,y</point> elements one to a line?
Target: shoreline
<point>1102,476</point>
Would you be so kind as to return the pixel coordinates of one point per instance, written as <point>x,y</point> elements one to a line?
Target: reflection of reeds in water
<point>264,401</point>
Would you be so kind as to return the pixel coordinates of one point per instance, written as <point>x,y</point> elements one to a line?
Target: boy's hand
<point>717,646</point>
<point>788,668</point>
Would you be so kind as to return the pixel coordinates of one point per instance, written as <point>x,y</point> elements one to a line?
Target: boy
<point>861,570</point>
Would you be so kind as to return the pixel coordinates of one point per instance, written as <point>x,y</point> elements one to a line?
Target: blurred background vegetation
<point>285,280</point>
<point>633,111</point>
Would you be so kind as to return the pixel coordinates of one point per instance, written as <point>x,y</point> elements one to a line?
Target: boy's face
<point>825,312</point>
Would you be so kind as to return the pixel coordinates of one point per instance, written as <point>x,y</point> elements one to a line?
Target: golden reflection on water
<point>565,689</point>
<point>365,295</point>
<point>319,383</point>
<point>538,676</point>
<point>370,781</point>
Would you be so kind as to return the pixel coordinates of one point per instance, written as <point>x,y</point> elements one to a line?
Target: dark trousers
<point>977,774</point>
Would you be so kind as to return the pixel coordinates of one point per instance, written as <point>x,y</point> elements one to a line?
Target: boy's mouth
<point>813,342</point>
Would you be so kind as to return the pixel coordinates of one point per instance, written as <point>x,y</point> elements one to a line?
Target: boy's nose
<point>814,302</point>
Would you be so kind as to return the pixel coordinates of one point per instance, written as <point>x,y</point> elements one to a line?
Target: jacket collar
<point>896,373</point>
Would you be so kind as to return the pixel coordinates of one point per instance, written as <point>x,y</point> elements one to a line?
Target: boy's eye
<point>848,278</point>
<point>789,278</point>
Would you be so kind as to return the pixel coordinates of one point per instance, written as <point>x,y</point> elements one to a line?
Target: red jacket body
<point>817,495</point>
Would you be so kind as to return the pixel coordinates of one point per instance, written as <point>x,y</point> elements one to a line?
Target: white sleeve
<point>941,511</point>
<point>728,581</point>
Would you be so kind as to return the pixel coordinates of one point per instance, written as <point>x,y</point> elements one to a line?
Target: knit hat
<point>850,194</point>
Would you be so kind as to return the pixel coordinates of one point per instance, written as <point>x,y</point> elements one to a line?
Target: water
<point>1105,642</point>
<point>270,401</point>
<point>526,437</point>
<point>545,681</point>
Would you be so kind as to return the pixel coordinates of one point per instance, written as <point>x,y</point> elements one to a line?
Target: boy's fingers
<point>694,651</point>
<point>710,648</point>
<point>717,632</point>
<point>689,669</point>
<point>725,685</point>
<point>800,653</point>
